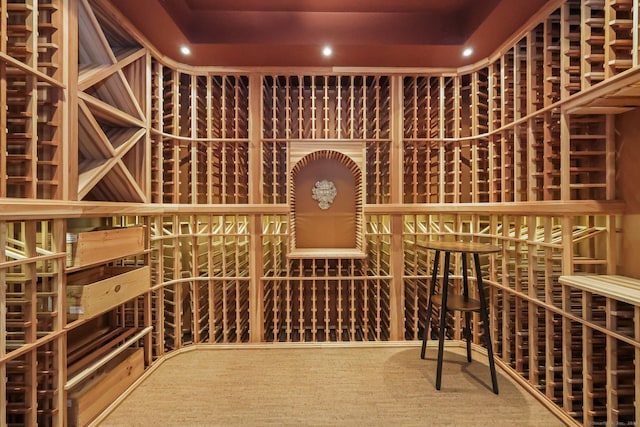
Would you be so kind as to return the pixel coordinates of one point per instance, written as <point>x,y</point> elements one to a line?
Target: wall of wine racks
<point>518,151</point>
<point>30,70</point>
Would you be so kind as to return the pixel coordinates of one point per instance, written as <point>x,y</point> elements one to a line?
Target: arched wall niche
<point>331,227</point>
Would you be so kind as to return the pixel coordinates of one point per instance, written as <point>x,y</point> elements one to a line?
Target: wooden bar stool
<point>462,303</point>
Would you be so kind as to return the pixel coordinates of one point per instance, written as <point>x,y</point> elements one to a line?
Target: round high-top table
<point>454,302</point>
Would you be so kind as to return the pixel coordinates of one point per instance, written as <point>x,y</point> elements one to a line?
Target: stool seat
<point>457,302</point>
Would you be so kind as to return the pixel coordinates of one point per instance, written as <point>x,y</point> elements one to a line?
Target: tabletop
<point>467,247</point>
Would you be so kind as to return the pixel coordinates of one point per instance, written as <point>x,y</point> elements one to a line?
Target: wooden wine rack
<point>325,107</point>
<point>200,148</point>
<point>31,266</point>
<point>531,317</point>
<point>112,132</point>
<point>604,339</point>
<point>339,304</point>
<point>30,59</point>
<point>518,150</point>
<point>593,59</point>
<point>33,346</point>
<point>201,280</point>
<point>326,299</point>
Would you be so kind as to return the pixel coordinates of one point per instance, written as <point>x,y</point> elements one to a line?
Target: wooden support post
<point>396,297</point>
<point>396,125</point>
<point>567,245</point>
<point>3,30</point>
<point>636,351</point>
<point>609,41</point>
<point>3,119</point>
<point>210,283</point>
<point>502,136</point>
<point>155,280</point>
<point>148,322</point>
<point>635,7</point>
<point>29,317</point>
<point>192,197</point>
<point>611,363</point>
<point>493,277</point>
<point>457,155</point>
<point>564,47</point>
<point>209,134</point>
<point>148,120</point>
<point>506,296</point>
<point>175,130</point>
<point>567,352</point>
<point>442,159</point>
<point>396,304</point>
<point>611,244</point>
<point>533,251</point>
<point>610,161</point>
<point>194,286</point>
<point>157,141</point>
<point>565,157</point>
<point>177,286</point>
<point>3,317</point>
<point>31,387</point>
<point>587,358</point>
<point>256,285</point>
<point>255,129</point>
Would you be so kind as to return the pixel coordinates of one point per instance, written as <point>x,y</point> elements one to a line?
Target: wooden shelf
<point>619,288</point>
<point>326,253</point>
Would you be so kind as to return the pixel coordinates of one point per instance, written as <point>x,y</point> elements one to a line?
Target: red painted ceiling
<point>378,33</point>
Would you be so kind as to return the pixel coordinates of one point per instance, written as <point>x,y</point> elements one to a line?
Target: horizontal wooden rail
<point>28,209</point>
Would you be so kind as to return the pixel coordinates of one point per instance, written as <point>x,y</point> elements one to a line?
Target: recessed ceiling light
<point>327,51</point>
<point>185,50</point>
<point>467,51</point>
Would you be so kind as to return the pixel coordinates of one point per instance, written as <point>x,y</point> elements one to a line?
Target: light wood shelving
<point>30,61</point>
<point>200,138</point>
<point>518,150</point>
<point>200,280</point>
<point>107,311</point>
<point>606,315</point>
<point>326,299</point>
<point>31,270</point>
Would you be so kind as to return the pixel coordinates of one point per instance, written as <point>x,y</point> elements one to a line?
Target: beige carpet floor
<point>325,386</point>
